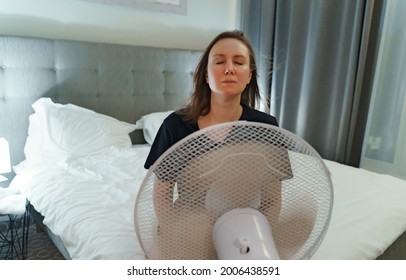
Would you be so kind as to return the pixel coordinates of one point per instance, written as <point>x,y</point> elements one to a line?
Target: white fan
<point>239,190</point>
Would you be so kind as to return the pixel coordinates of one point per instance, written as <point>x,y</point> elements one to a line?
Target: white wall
<point>87,21</point>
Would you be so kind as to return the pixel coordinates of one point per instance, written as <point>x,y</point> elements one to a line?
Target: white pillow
<point>150,124</point>
<point>59,131</point>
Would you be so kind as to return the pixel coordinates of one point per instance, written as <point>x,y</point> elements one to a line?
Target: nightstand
<point>14,235</point>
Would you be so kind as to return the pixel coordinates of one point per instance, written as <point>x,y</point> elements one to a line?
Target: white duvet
<point>369,214</point>
<point>89,202</point>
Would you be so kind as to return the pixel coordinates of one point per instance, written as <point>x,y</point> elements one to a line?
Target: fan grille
<point>228,166</point>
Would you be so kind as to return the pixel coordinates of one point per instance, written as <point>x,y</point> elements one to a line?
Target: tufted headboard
<point>121,81</point>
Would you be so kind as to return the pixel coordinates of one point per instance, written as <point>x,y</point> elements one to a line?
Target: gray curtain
<point>321,55</point>
<point>257,21</point>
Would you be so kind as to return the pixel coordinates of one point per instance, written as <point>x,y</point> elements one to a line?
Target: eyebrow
<point>237,55</point>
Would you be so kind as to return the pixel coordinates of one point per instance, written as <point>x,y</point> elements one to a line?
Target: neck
<point>226,113</point>
<point>221,112</point>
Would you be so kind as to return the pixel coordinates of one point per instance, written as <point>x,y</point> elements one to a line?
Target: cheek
<point>246,75</point>
<point>211,75</point>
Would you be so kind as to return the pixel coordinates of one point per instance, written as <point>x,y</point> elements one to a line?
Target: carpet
<point>40,246</point>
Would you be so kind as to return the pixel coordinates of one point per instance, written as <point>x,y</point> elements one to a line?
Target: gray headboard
<point>121,81</point>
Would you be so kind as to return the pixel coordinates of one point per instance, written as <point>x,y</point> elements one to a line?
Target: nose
<point>229,69</point>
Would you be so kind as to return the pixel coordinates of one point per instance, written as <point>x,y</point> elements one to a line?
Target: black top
<point>174,129</point>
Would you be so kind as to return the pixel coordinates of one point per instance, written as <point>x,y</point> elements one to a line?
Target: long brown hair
<point>199,102</point>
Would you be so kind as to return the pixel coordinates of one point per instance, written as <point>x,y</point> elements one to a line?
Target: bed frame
<point>125,82</point>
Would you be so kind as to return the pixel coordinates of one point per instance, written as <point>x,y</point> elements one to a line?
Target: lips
<point>229,82</point>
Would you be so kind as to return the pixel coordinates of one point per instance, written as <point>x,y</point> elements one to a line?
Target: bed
<point>82,186</point>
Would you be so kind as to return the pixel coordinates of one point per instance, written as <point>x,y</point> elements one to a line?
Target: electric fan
<point>238,190</point>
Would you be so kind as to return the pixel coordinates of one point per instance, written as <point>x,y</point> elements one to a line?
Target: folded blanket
<point>11,202</point>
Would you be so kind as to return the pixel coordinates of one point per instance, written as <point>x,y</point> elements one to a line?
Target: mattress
<point>88,202</point>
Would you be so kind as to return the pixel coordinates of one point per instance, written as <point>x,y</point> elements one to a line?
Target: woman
<point>225,90</point>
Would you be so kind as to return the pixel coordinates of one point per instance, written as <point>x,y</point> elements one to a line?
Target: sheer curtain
<point>386,130</point>
<point>319,54</point>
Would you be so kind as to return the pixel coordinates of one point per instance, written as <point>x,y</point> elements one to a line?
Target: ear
<point>207,77</point>
<point>249,77</point>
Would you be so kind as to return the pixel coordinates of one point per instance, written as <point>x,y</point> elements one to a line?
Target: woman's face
<point>228,68</point>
